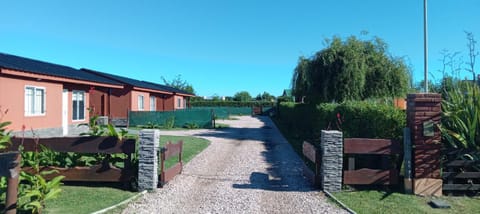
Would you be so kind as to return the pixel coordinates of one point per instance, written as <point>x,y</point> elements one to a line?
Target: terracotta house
<point>48,98</point>
<point>136,95</point>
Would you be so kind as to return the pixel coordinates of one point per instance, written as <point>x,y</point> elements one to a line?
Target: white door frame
<point>65,112</point>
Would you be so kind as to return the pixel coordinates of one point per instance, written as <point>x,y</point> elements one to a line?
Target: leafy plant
<point>169,123</point>
<point>461,120</point>
<point>191,126</point>
<point>461,116</point>
<point>34,189</point>
<point>94,128</point>
<point>4,134</point>
<point>38,190</point>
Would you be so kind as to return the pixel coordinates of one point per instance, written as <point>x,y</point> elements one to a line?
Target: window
<point>184,103</point>
<point>179,102</point>
<point>140,102</point>
<point>153,103</point>
<point>34,101</point>
<point>78,112</point>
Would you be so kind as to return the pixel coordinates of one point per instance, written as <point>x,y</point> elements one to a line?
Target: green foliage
<point>37,191</point>
<point>265,97</point>
<point>34,190</point>
<point>350,70</point>
<point>242,96</point>
<point>4,133</point>
<point>191,126</point>
<point>461,116</point>
<point>180,84</point>
<point>353,118</point>
<point>210,103</point>
<point>169,123</point>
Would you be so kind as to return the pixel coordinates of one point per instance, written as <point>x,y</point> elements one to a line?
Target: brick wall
<point>426,155</point>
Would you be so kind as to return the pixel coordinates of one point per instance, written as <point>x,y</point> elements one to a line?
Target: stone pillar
<point>332,160</point>
<point>423,115</point>
<point>148,159</point>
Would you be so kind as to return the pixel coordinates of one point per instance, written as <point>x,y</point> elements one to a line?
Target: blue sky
<point>222,47</point>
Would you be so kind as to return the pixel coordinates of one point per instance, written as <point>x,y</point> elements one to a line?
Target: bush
<point>354,119</point>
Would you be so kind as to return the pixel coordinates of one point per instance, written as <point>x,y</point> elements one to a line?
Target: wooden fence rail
<point>103,172</point>
<point>167,152</point>
<point>460,175</point>
<point>355,148</point>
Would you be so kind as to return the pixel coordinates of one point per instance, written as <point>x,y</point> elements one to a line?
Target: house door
<point>65,112</point>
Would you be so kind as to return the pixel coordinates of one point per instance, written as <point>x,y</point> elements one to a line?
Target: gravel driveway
<point>248,168</point>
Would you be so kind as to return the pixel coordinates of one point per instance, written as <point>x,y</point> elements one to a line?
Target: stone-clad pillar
<point>332,160</point>
<point>423,115</point>
<point>148,159</point>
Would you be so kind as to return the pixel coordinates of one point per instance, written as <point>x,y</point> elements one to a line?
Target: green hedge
<point>229,104</point>
<point>355,119</point>
<point>226,112</point>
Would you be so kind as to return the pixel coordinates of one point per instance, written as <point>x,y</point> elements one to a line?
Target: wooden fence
<point>461,176</point>
<point>103,172</point>
<point>380,152</point>
<point>312,154</point>
<point>170,150</point>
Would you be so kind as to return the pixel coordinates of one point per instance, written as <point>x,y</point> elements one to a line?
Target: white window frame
<point>179,102</point>
<point>78,106</point>
<point>153,103</point>
<point>43,106</point>
<point>141,102</point>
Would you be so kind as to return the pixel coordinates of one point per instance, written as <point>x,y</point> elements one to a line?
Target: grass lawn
<point>86,199</point>
<point>76,199</point>
<point>191,147</point>
<point>374,201</point>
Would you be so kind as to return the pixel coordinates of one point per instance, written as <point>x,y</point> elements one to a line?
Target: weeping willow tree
<point>350,70</point>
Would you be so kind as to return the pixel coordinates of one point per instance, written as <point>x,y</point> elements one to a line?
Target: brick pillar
<point>423,116</point>
<point>332,160</point>
<point>148,159</point>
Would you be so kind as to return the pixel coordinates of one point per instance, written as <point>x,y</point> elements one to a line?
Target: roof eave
<point>56,78</point>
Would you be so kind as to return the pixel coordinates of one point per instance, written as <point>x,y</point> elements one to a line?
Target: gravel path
<point>248,168</point>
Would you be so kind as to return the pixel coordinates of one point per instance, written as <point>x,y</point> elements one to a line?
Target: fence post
<point>332,160</point>
<point>148,159</point>
<point>10,167</point>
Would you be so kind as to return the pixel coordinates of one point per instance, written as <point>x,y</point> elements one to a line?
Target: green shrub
<point>354,119</point>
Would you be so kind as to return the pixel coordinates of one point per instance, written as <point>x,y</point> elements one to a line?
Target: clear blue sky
<point>225,46</point>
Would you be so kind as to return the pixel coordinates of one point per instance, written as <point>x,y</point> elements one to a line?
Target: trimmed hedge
<point>355,119</point>
<point>230,104</point>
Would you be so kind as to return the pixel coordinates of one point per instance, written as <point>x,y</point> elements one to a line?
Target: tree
<point>179,83</point>
<point>242,96</point>
<point>265,97</point>
<point>350,70</point>
<point>472,53</point>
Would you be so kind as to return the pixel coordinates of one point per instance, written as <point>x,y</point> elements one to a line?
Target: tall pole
<point>425,44</point>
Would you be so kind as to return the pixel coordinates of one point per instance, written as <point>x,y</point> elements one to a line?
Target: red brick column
<point>423,111</point>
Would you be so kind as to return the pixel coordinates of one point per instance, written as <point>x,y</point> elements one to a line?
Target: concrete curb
<point>121,203</point>
<point>339,202</point>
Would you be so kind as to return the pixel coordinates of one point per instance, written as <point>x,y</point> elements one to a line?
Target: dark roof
<point>169,88</point>
<point>136,83</point>
<point>39,67</point>
<point>287,92</point>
